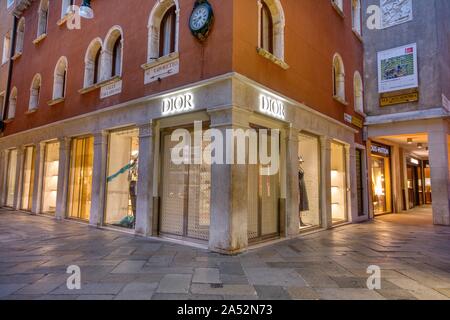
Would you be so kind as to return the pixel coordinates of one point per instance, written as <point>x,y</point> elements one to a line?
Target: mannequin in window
<point>132,178</point>
<point>303,203</point>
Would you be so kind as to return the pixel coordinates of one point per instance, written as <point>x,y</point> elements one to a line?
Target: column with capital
<point>63,178</point>
<point>146,219</point>
<point>325,190</point>
<point>38,176</point>
<point>292,190</point>
<point>19,178</point>
<point>98,179</point>
<point>229,188</point>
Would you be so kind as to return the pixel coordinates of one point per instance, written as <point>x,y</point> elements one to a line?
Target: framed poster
<point>395,12</point>
<point>397,69</point>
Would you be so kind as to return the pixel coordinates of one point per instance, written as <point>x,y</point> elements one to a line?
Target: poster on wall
<point>397,69</point>
<point>395,12</point>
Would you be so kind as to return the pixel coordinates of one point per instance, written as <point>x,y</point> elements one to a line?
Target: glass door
<point>80,186</point>
<point>28,178</point>
<point>185,195</point>
<point>381,185</point>
<point>11,178</point>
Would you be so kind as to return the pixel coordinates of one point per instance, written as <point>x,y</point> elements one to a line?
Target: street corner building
<point>90,105</point>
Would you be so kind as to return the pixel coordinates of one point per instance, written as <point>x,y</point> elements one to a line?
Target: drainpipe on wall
<point>10,70</point>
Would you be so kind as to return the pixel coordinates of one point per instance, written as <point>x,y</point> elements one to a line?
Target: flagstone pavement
<point>413,255</point>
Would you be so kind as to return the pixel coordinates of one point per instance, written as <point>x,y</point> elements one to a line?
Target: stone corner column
<point>38,176</point>
<point>438,141</point>
<point>292,182</point>
<point>325,155</point>
<point>19,178</point>
<point>98,179</point>
<point>146,216</point>
<point>229,190</point>
<point>63,178</point>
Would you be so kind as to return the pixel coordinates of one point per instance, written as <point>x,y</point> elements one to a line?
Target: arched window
<point>20,34</point>
<point>92,63</point>
<point>12,104</point>
<point>339,4</point>
<point>66,6</point>
<point>35,92</point>
<point>43,17</point>
<point>358,92</point>
<point>60,79</point>
<point>356,16</point>
<point>111,64</point>
<point>271,27</point>
<point>266,40</point>
<point>338,78</point>
<point>117,58</point>
<point>167,37</point>
<point>163,29</point>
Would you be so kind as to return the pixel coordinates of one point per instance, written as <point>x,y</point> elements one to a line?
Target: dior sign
<point>272,107</point>
<point>178,104</point>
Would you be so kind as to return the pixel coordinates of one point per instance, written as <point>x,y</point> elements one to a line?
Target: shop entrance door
<point>185,195</point>
<point>264,199</point>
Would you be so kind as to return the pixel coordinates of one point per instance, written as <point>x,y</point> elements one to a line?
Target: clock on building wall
<point>201,20</point>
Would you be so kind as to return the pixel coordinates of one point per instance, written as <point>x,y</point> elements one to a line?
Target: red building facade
<point>91,102</point>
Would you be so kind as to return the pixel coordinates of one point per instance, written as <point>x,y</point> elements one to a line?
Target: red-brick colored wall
<point>314,32</point>
<point>197,61</point>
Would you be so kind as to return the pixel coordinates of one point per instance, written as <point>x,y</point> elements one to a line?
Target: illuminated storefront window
<point>80,185</point>
<point>381,179</point>
<point>11,178</point>
<point>122,176</point>
<point>338,183</point>
<point>309,181</point>
<point>28,178</point>
<point>50,178</point>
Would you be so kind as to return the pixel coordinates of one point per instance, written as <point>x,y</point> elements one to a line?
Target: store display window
<point>80,178</point>
<point>338,183</point>
<point>309,181</point>
<point>11,178</point>
<point>50,178</point>
<point>122,177</point>
<point>28,178</point>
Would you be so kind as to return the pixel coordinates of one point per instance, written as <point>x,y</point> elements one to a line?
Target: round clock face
<point>200,17</point>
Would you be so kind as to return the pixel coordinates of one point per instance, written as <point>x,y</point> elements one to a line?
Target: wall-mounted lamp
<point>86,10</point>
<point>410,141</point>
<point>420,146</point>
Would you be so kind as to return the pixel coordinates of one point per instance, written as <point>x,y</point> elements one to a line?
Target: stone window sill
<point>340,100</point>
<point>8,120</point>
<point>338,9</point>
<point>269,56</point>
<point>16,56</point>
<point>100,84</point>
<point>40,38</point>
<point>55,101</point>
<point>64,19</point>
<point>31,111</point>
<point>357,34</point>
<point>161,60</point>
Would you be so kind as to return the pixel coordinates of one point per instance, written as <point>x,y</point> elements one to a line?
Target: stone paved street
<point>413,254</point>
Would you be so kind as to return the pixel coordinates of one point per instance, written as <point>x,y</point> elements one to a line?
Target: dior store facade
<point>115,168</point>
